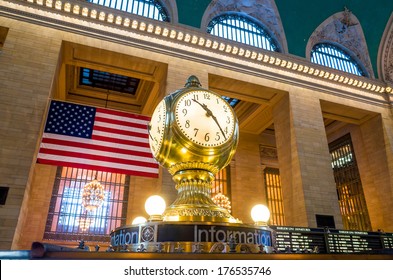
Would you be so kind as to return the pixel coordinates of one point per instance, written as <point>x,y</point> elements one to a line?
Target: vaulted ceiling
<point>299,19</point>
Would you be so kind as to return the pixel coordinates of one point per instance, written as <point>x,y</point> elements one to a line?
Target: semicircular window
<point>243,30</point>
<point>334,57</point>
<point>147,8</point>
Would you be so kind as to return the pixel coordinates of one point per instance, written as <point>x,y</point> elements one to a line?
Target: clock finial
<point>193,81</point>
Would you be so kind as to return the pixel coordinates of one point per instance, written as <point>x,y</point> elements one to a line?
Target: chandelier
<point>222,201</point>
<point>85,222</point>
<point>93,195</point>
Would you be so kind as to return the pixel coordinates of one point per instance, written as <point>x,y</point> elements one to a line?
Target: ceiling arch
<point>264,11</point>
<point>344,29</point>
<point>302,17</point>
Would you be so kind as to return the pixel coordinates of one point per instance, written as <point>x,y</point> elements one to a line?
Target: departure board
<point>342,241</point>
<point>319,240</point>
<point>297,239</point>
<point>388,240</point>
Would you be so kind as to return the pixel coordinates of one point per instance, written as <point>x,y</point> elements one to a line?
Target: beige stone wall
<point>28,60</point>
<point>140,189</point>
<point>247,188</point>
<point>305,164</point>
<point>37,206</point>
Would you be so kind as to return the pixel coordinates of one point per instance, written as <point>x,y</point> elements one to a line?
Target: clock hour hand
<point>148,130</point>
<point>209,113</point>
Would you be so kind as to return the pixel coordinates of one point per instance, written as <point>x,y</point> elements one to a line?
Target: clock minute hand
<point>209,113</point>
<point>219,126</point>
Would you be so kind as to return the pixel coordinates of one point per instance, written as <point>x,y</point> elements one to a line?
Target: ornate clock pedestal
<point>193,202</point>
<point>194,133</point>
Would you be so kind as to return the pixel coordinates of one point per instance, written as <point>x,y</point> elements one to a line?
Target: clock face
<point>156,127</point>
<point>205,118</point>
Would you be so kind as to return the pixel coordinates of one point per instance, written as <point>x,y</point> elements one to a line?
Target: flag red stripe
<point>99,168</point>
<point>122,114</point>
<point>98,157</point>
<point>99,147</point>
<point>122,132</point>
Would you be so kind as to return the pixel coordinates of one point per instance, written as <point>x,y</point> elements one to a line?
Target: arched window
<point>146,8</point>
<point>243,30</point>
<point>334,57</point>
<point>69,220</point>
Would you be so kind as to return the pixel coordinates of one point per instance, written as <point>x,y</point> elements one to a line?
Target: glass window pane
<point>333,57</point>
<point>69,220</point>
<point>146,8</point>
<point>242,30</point>
<point>349,186</point>
<point>274,196</point>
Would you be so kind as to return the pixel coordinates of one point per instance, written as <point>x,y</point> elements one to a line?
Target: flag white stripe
<point>99,163</point>
<point>120,127</point>
<point>121,118</point>
<point>96,142</point>
<point>96,152</point>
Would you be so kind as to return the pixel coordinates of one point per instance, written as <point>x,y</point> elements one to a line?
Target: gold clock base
<point>192,213</point>
<point>193,202</point>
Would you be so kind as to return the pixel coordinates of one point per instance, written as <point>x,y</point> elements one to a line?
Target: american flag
<point>98,139</point>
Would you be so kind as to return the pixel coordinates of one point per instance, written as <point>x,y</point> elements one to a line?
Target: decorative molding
<point>137,31</point>
<point>343,28</point>
<point>267,152</point>
<point>386,54</point>
<point>171,7</point>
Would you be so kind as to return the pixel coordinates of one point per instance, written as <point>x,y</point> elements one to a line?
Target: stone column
<point>374,153</point>
<point>247,186</point>
<point>304,159</point>
<point>28,63</point>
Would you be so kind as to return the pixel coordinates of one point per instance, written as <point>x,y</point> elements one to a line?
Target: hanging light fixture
<point>222,201</point>
<point>93,195</point>
<point>85,222</point>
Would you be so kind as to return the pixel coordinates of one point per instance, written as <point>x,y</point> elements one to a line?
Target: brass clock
<point>194,133</point>
<point>156,127</point>
<point>205,118</point>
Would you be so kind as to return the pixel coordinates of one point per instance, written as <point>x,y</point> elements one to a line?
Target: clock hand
<point>209,113</point>
<point>219,126</point>
<point>148,130</point>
